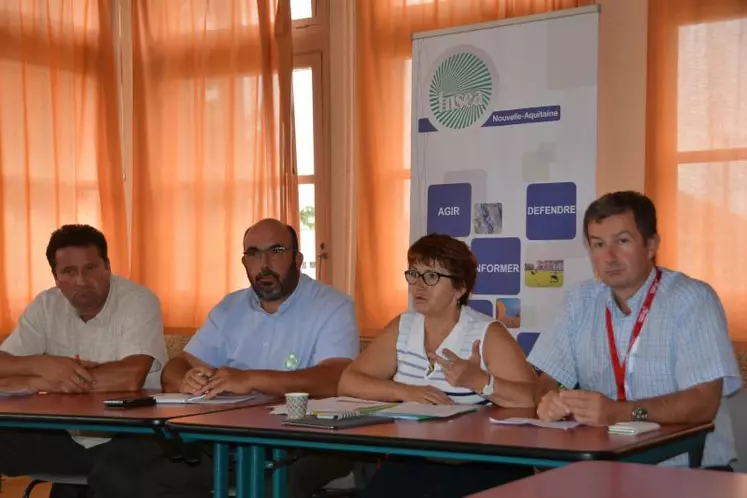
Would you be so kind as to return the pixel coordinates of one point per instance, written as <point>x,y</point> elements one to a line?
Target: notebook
<point>632,428</point>
<point>421,411</point>
<point>180,399</point>
<point>560,424</point>
<point>340,423</point>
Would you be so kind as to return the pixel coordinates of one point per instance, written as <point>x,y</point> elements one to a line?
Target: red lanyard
<point>617,367</point>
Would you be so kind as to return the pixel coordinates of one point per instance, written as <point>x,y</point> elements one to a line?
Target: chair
<point>737,406</point>
<point>37,479</point>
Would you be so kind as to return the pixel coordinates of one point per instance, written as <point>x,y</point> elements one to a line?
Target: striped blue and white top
<point>412,361</point>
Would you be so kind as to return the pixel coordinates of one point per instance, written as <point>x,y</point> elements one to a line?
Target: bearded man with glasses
<point>286,333</point>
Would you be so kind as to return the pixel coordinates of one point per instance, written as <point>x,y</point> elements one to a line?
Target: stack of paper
<point>180,399</point>
<point>561,424</point>
<point>340,404</point>
<point>420,411</point>
<point>632,428</point>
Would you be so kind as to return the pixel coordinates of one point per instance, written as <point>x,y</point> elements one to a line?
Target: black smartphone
<point>130,402</point>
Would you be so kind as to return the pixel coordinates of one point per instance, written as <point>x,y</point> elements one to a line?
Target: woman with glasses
<point>441,352</point>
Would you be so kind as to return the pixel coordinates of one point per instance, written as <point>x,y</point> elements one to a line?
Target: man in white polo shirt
<point>92,332</point>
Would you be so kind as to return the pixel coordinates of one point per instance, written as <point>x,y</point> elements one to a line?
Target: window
<point>307,110</point>
<point>711,147</point>
<point>55,127</point>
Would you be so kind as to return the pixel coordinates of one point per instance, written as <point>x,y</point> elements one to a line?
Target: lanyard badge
<point>618,367</point>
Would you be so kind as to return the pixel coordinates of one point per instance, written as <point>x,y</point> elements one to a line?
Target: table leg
<point>250,471</point>
<point>696,453</point>
<point>279,474</point>
<point>220,470</point>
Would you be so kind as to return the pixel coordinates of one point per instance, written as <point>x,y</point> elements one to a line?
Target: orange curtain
<point>60,153</point>
<point>696,157</point>
<point>213,144</point>
<point>384,30</point>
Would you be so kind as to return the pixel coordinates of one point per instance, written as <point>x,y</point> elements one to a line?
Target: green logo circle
<point>460,90</point>
<point>291,361</point>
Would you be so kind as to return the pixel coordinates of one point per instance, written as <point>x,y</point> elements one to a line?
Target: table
<point>86,412</point>
<point>623,480</point>
<point>469,437</point>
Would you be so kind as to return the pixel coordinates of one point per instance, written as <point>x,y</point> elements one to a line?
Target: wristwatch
<point>639,414</point>
<point>488,389</point>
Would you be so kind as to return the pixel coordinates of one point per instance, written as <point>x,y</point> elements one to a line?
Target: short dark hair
<point>76,236</point>
<point>454,255</point>
<point>642,207</point>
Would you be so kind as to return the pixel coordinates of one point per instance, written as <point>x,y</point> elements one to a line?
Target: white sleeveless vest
<point>412,361</point>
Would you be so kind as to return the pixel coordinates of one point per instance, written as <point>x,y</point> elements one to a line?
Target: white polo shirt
<point>130,323</point>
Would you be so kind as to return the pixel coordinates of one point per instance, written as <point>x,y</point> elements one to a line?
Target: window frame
<point>311,50</point>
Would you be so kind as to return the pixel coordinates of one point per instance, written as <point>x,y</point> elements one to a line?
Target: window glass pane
<point>712,89</point>
<point>306,207</point>
<point>301,9</point>
<point>303,109</point>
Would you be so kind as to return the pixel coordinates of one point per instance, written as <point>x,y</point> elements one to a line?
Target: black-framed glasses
<point>273,252</point>
<point>430,277</point>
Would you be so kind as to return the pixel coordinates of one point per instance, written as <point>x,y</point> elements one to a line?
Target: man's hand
<point>41,385</point>
<point>552,408</point>
<point>230,380</point>
<point>196,380</point>
<point>463,373</point>
<point>64,374</point>
<point>424,394</point>
<point>592,408</point>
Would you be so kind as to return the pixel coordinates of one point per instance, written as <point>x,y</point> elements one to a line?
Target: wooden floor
<point>13,487</point>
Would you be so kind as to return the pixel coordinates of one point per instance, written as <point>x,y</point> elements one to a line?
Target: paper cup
<point>296,404</point>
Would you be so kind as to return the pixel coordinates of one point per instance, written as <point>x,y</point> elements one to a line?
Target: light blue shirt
<point>684,342</point>
<point>315,323</point>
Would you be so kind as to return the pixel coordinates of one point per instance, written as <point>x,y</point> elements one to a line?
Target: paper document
<point>561,424</point>
<point>420,411</point>
<point>23,392</point>
<point>339,404</point>
<point>181,399</point>
<point>632,428</point>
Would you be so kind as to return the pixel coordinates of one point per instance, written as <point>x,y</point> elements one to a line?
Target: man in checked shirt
<point>640,343</point>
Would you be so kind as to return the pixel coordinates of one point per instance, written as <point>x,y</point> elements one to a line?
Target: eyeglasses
<point>430,277</point>
<point>274,252</point>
